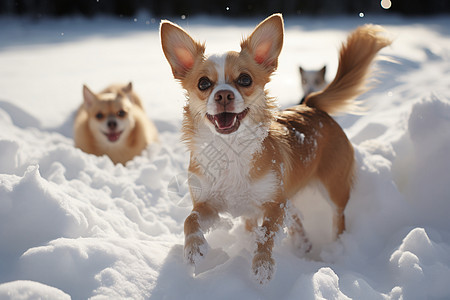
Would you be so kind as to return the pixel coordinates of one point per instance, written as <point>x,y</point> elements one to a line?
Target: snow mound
<point>23,289</point>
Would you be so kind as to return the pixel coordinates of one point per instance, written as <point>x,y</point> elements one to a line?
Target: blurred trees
<point>236,8</point>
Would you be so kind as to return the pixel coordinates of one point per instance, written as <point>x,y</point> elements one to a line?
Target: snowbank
<point>77,226</point>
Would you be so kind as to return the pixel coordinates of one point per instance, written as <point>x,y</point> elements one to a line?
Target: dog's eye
<point>244,80</point>
<point>99,116</point>
<point>121,113</point>
<point>204,83</point>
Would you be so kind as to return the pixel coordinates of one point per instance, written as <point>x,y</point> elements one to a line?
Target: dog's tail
<point>355,59</point>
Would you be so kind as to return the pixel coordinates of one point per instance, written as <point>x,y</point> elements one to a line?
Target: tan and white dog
<point>113,122</point>
<point>246,158</point>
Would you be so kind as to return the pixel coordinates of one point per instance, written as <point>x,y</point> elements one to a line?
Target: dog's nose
<point>224,97</point>
<point>112,124</point>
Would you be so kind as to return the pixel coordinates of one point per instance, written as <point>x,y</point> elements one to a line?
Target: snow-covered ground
<point>76,226</point>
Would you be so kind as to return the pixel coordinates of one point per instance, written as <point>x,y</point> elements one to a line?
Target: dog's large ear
<point>302,71</point>
<point>128,88</point>
<point>323,71</point>
<point>266,41</point>
<point>181,51</point>
<point>88,96</point>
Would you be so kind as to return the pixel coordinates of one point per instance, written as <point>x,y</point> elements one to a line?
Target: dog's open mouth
<point>227,122</point>
<point>113,136</point>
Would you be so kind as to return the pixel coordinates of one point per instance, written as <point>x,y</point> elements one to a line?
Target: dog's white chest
<point>226,183</point>
<point>237,194</point>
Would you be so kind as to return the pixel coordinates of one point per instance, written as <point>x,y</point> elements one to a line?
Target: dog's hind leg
<point>300,243</point>
<point>339,186</point>
<point>336,173</point>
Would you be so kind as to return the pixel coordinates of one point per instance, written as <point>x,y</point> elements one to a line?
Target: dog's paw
<point>300,244</point>
<point>263,268</point>
<point>195,248</point>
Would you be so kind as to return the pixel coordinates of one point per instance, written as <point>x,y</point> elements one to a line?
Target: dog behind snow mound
<point>312,81</point>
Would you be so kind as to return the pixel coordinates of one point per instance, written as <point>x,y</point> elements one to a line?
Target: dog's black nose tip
<point>224,97</point>
<point>112,124</point>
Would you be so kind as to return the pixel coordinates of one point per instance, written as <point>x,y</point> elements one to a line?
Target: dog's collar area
<point>227,122</point>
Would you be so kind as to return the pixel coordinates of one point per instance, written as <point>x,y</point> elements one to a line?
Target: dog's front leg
<point>263,263</point>
<point>200,219</point>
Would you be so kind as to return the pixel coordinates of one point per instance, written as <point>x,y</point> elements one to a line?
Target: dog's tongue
<point>113,136</point>
<point>225,120</point>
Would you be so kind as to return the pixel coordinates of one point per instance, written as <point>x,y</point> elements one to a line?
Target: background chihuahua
<point>312,81</point>
<point>113,122</point>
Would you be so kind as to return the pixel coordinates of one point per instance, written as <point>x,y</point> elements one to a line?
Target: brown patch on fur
<point>319,149</point>
<point>305,144</point>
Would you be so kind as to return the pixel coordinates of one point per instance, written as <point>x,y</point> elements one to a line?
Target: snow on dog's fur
<point>113,122</point>
<point>249,158</point>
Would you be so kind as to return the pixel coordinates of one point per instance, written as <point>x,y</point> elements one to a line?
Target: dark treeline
<point>237,8</point>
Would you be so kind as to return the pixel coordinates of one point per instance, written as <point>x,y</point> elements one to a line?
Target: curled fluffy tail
<point>355,59</point>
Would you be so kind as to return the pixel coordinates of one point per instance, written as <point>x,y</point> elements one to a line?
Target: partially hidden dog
<point>312,81</point>
<point>113,122</point>
<point>247,159</point>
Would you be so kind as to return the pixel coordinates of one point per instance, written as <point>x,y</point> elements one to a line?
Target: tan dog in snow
<point>247,158</point>
<point>113,122</point>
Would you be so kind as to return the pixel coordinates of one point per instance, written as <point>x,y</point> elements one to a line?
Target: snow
<point>77,226</point>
